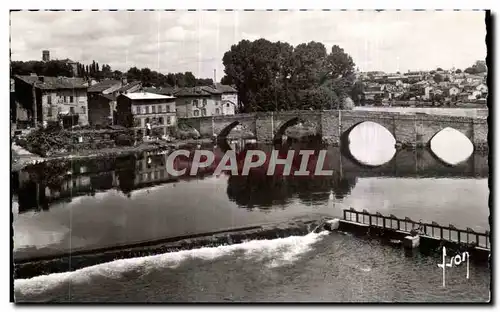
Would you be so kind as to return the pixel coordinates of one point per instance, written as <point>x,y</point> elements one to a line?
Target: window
<point>227,105</point>
<point>71,99</point>
<point>49,99</point>
<point>167,108</point>
<point>160,120</point>
<point>195,103</point>
<point>49,112</point>
<point>203,112</point>
<point>84,109</point>
<point>153,109</point>
<point>147,120</point>
<point>196,113</point>
<point>65,99</point>
<point>217,111</point>
<point>147,109</point>
<point>168,121</point>
<point>204,102</point>
<point>72,110</point>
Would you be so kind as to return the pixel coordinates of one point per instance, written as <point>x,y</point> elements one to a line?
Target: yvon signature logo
<point>454,261</point>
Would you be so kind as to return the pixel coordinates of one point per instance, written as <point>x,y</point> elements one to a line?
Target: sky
<point>180,41</point>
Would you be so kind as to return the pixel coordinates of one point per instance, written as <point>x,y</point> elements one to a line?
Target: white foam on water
<point>275,252</point>
<point>371,144</point>
<point>451,146</point>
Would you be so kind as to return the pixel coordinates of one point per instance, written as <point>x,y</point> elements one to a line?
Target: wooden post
<point>441,233</point>
<point>458,236</point>
<point>477,239</point>
<point>383,222</point>
<point>370,220</point>
<point>399,227</point>
<point>357,217</point>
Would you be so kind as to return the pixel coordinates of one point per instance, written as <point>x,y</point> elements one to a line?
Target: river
<point>99,203</point>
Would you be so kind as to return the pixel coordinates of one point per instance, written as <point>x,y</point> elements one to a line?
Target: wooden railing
<point>435,230</point>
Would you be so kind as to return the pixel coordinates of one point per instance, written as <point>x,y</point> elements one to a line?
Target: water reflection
<point>44,185</point>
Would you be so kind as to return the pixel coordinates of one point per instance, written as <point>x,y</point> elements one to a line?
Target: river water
<point>89,204</point>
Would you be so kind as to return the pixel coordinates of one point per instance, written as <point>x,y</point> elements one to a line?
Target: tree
<point>458,71</point>
<point>340,64</point>
<point>357,92</point>
<point>117,74</point>
<point>470,70</point>
<point>480,67</point>
<point>276,76</point>
<point>439,69</point>
<point>133,74</point>
<point>189,79</point>
<point>438,78</point>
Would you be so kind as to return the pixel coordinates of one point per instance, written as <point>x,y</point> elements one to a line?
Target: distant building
<point>453,91</point>
<point>45,55</point>
<point>148,114</point>
<point>52,99</point>
<point>206,101</point>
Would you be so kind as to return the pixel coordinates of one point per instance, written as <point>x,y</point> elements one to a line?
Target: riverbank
<point>22,158</point>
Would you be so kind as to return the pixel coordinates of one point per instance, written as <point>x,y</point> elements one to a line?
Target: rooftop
<point>103,85</point>
<point>195,91</point>
<point>225,88</point>
<point>162,90</point>
<point>147,96</point>
<point>128,86</point>
<point>54,83</point>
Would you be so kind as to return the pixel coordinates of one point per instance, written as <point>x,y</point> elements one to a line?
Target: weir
<point>27,267</point>
<point>425,236</point>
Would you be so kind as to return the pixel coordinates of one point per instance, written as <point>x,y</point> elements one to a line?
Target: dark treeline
<point>274,76</point>
<point>95,71</point>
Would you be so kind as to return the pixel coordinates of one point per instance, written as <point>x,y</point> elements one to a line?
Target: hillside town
<point>439,87</point>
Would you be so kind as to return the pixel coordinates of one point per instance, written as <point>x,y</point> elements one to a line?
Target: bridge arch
<point>282,128</point>
<point>227,129</point>
<point>346,151</point>
<point>344,137</point>
<point>461,150</point>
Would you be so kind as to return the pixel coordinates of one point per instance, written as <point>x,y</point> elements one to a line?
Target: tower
<point>46,55</point>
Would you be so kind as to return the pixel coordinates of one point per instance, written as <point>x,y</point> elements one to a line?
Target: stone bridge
<point>333,126</point>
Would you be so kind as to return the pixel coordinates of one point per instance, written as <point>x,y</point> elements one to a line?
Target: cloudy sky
<point>179,41</point>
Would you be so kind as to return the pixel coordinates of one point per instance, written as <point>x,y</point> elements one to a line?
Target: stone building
<point>148,114</point>
<point>52,99</point>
